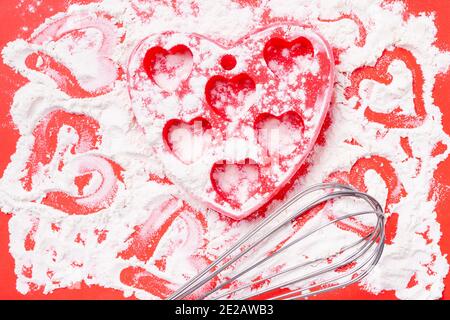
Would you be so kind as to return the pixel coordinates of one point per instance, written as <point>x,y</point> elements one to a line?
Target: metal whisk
<point>233,275</point>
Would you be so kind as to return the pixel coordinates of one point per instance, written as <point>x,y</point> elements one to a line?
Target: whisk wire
<point>190,286</point>
<point>333,191</point>
<point>338,265</point>
<point>375,254</point>
<point>343,263</point>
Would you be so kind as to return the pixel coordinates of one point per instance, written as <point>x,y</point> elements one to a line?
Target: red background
<point>14,16</point>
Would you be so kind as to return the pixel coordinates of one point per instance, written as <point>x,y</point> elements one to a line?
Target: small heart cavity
<point>187,140</point>
<point>236,183</point>
<point>283,57</point>
<point>280,136</point>
<point>168,68</point>
<point>226,96</point>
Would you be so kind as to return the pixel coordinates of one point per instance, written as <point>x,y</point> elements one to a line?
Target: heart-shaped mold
<point>232,88</point>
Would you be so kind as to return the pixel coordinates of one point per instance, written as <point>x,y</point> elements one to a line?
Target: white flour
<point>62,250</point>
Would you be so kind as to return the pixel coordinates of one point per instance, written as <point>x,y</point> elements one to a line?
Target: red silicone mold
<point>232,123</point>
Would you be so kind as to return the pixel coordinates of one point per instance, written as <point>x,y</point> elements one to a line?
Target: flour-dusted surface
<point>90,201</point>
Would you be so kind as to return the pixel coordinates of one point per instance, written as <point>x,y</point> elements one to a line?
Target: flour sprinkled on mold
<point>130,228</point>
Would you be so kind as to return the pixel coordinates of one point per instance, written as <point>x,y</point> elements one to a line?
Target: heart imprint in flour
<point>232,123</point>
